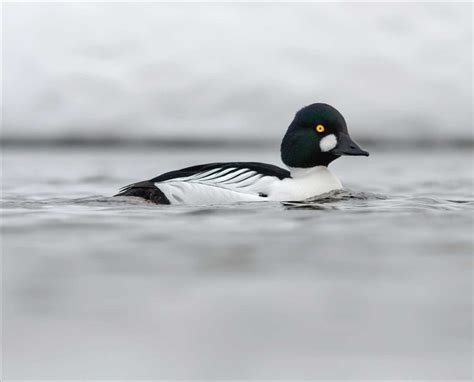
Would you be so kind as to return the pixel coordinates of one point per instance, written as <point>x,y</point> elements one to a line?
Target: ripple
<point>344,200</point>
<point>350,200</point>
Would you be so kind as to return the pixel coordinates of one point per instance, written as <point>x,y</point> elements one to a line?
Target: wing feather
<point>217,182</point>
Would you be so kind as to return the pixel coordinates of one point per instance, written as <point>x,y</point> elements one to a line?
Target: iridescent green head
<point>316,136</point>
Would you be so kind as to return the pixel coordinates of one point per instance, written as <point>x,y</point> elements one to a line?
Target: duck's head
<point>317,136</point>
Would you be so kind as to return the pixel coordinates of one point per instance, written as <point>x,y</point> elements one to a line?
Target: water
<point>371,282</point>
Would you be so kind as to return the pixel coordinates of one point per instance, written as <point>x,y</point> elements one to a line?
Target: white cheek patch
<point>328,143</point>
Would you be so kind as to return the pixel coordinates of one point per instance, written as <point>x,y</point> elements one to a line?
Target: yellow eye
<point>320,128</point>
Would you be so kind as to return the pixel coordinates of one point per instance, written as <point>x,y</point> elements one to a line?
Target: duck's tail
<point>146,190</point>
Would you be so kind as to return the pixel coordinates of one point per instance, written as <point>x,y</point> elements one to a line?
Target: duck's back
<point>213,183</point>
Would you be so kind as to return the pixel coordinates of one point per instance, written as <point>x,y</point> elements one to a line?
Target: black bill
<point>346,146</point>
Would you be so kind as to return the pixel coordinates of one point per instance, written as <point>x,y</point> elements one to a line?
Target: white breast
<point>304,183</point>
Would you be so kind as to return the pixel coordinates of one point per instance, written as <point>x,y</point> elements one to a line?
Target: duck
<point>315,138</point>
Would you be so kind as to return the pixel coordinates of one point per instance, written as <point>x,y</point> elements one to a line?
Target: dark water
<point>371,282</point>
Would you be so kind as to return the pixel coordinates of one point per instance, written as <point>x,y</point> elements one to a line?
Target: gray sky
<point>235,70</point>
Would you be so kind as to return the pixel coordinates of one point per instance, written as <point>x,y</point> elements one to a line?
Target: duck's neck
<point>308,172</point>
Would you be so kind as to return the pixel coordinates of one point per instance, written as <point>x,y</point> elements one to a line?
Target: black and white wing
<point>214,183</point>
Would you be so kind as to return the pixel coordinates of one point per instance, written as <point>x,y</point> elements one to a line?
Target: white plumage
<point>232,185</point>
<point>327,143</point>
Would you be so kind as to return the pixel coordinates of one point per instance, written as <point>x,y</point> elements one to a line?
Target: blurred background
<point>374,282</point>
<point>234,71</point>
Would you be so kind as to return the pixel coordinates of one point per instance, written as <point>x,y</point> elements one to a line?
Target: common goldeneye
<point>316,136</point>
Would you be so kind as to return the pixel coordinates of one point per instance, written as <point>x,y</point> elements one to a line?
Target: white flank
<point>231,185</point>
<point>328,143</point>
<point>217,187</point>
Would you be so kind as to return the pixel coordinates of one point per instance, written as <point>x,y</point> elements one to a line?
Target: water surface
<point>374,281</point>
